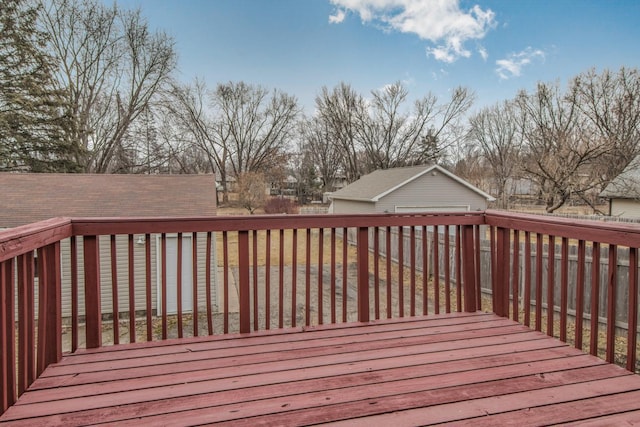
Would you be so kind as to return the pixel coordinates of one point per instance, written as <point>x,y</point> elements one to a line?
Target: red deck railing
<point>72,283</point>
<point>575,280</point>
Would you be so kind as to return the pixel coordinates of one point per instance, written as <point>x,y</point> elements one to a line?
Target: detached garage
<point>427,188</point>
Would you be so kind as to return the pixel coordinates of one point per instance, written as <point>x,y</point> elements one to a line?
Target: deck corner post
<point>469,276</point>
<point>363,274</point>
<point>244,282</point>
<point>49,306</point>
<point>7,342</point>
<point>92,291</point>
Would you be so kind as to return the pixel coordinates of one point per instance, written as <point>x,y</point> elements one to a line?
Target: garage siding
<point>625,208</point>
<point>432,190</point>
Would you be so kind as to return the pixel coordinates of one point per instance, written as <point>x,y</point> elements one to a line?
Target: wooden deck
<point>459,368</point>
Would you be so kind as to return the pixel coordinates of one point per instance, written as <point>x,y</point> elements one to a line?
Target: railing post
<point>244,285</point>
<point>469,270</point>
<point>92,308</point>
<point>363,274</point>
<point>501,279</point>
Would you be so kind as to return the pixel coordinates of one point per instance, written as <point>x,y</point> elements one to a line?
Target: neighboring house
<point>623,192</point>
<point>28,198</point>
<point>428,188</point>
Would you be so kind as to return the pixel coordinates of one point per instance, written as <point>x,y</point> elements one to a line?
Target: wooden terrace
<point>481,318</point>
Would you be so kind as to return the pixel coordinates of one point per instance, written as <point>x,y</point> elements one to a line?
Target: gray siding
<point>432,191</point>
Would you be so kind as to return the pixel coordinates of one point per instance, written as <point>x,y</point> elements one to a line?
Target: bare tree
<point>241,128</point>
<point>188,105</point>
<point>446,130</point>
<point>339,110</point>
<point>496,132</point>
<point>559,155</point>
<point>255,126</point>
<point>392,135</point>
<point>383,132</point>
<point>473,168</point>
<point>112,66</point>
<point>611,102</point>
<point>325,156</point>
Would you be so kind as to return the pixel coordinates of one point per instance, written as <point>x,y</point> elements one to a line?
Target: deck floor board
<point>456,368</point>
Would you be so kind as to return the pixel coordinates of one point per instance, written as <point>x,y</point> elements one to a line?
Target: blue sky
<point>494,47</point>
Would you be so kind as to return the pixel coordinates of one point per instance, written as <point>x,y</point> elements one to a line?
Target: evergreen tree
<point>34,124</point>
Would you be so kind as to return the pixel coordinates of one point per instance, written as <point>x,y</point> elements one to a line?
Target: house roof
<point>626,185</point>
<point>379,183</point>
<point>32,197</point>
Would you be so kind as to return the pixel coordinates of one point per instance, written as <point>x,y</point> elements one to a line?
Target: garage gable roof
<point>379,183</point>
<point>30,197</point>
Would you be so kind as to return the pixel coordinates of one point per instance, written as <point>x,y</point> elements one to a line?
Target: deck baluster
<point>611,303</point>
<point>114,289</point>
<point>595,298</point>
<point>244,282</point>
<point>363,274</point>
<point>194,282</point>
<point>470,280</point>
<point>551,284</point>
<point>132,289</point>
<point>564,289</point>
<point>208,288</point>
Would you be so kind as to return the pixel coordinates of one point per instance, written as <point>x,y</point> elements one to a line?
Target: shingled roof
<point>27,197</point>
<point>379,183</point>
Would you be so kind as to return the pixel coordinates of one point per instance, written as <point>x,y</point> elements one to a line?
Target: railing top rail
<point>623,234</point>
<point>100,226</point>
<point>20,240</point>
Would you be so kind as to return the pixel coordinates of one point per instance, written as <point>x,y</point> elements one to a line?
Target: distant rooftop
<point>626,185</point>
<point>381,182</point>
<point>31,197</point>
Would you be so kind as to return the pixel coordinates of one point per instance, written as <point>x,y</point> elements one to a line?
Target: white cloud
<point>512,65</point>
<point>483,53</point>
<point>441,22</point>
<point>338,17</point>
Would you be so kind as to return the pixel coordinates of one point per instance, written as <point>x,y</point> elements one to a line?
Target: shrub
<point>276,205</point>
